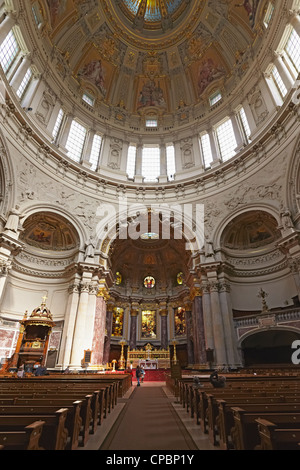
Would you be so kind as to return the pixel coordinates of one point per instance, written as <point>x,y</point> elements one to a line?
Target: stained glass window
<point>149,282</point>
<point>179,321</point>
<point>149,324</point>
<point>118,320</point>
<point>180,279</point>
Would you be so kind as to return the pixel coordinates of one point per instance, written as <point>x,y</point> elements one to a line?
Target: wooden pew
<point>225,421</point>
<point>273,437</point>
<point>54,434</point>
<point>27,439</point>
<point>214,425</point>
<point>85,410</point>
<point>245,434</point>
<point>73,421</point>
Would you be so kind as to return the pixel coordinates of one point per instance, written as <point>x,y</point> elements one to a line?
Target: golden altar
<point>149,357</point>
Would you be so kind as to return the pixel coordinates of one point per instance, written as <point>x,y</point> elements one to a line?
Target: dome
<point>149,91</point>
<point>134,53</point>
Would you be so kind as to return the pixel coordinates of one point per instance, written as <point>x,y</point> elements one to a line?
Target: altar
<point>149,357</point>
<point>148,364</point>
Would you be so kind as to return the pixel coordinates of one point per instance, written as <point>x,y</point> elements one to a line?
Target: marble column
<point>79,332</point>
<point>189,335</point>
<point>138,163</point>
<point>109,321</point>
<point>207,320</point>
<point>133,328</point>
<point>53,118</point>
<point>7,25</point>
<point>99,329</point>
<point>20,72</point>
<point>164,328</point>
<point>86,154</point>
<point>214,150</point>
<point>64,358</point>
<point>218,327</point>
<point>283,71</point>
<point>90,319</point>
<point>233,358</point>
<point>199,348</point>
<point>65,130</point>
<point>237,133</point>
<point>295,21</point>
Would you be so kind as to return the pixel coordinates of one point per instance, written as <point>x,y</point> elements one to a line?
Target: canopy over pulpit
<point>33,341</point>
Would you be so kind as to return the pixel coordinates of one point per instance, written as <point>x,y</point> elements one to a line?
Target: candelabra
<point>174,342</point>
<point>122,358</point>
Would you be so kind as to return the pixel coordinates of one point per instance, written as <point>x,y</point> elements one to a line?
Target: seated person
<point>217,381</point>
<point>197,383</point>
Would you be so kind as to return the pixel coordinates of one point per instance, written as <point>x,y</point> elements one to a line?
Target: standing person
<point>138,375</point>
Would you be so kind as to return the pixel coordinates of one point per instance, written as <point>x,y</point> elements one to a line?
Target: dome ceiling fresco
<point>149,56</point>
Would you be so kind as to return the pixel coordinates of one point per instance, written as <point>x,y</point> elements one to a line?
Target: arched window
<point>292,53</point>
<point>131,159</point>
<point>9,50</point>
<point>226,140</point>
<point>76,141</point>
<point>171,169</point>
<point>206,150</point>
<point>95,152</point>
<point>151,163</point>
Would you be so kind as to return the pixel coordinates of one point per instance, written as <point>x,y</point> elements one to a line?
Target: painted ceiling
<point>162,54</point>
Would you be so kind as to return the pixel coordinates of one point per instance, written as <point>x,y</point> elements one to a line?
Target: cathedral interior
<point>150,184</point>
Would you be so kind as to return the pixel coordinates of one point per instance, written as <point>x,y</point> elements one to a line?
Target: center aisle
<point>148,422</point>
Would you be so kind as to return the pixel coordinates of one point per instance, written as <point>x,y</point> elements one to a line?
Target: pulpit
<point>33,341</point>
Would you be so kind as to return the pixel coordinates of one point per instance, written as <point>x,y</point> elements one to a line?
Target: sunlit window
<point>24,84</point>
<point>226,140</point>
<point>58,124</point>
<point>76,141</point>
<point>89,99</point>
<point>131,159</point>
<point>278,82</point>
<point>151,163</point>
<point>292,52</point>
<point>95,152</point>
<point>9,49</point>
<point>151,122</point>
<point>244,124</point>
<point>269,14</point>
<point>206,150</point>
<point>171,169</point>
<point>215,98</point>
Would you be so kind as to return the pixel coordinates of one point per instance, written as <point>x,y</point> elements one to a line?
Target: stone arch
<point>78,228</point>
<point>268,345</point>
<point>270,211</point>
<point>109,229</point>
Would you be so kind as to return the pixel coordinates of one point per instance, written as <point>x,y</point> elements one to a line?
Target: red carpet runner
<point>158,375</point>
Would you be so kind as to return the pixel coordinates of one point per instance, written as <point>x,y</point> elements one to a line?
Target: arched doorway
<point>269,347</point>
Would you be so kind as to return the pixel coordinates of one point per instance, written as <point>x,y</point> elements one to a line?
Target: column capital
<point>163,312</point>
<point>134,313</point>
